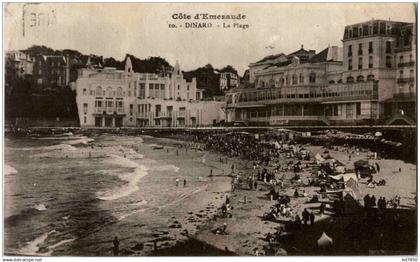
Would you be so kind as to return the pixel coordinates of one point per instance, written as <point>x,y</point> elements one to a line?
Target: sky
<point>111,29</point>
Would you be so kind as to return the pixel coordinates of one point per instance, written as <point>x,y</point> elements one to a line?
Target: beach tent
<point>345,177</point>
<point>340,169</point>
<point>324,241</point>
<point>319,159</point>
<point>351,205</point>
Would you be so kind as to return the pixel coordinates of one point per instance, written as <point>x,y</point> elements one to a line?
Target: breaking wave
<point>131,178</point>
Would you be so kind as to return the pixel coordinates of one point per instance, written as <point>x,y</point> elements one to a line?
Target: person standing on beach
<point>177,182</point>
<point>312,218</point>
<point>116,249</point>
<point>185,182</point>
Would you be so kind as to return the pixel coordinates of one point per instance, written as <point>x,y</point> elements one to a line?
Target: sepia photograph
<point>209,129</point>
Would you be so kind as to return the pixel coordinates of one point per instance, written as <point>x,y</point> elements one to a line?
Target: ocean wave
<point>83,140</point>
<point>53,147</point>
<point>132,179</point>
<point>9,170</point>
<point>166,168</point>
<point>40,207</point>
<point>60,243</point>
<point>32,247</point>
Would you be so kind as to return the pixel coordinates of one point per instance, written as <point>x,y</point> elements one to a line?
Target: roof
<point>53,57</point>
<point>320,57</point>
<point>285,63</point>
<point>270,57</point>
<point>301,51</point>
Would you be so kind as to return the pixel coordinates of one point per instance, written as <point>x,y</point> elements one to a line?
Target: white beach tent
<point>324,241</point>
<point>319,159</point>
<point>345,177</point>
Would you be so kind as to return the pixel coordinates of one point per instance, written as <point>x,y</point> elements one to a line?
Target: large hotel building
<point>115,98</point>
<point>370,80</point>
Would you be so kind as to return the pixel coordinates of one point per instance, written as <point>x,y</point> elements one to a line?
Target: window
<point>370,47</point>
<point>98,91</point>
<point>360,63</point>
<point>382,28</point>
<point>388,62</point>
<point>85,108</point>
<point>188,87</point>
<point>119,91</point>
<point>84,119</point>
<point>312,78</point>
<point>360,78</point>
<point>151,91</point>
<point>411,73</point>
<point>109,91</point>
<point>370,77</point>
<point>294,80</point>
<point>358,109</point>
<point>301,79</point>
<point>332,82</point>
<point>370,61</point>
<point>388,47</point>
<point>401,73</point>
<point>365,30</point>
<point>350,64</point>
<point>84,91</point>
<point>350,79</point>
<point>411,58</point>
<point>178,87</point>
<point>349,52</point>
<point>340,81</point>
<point>360,49</point>
<point>375,28</point>
<point>355,32</point>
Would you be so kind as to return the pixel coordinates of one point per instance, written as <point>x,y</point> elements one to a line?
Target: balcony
<point>99,110</point>
<point>110,110</point>
<point>164,114</point>
<point>143,115</point>
<point>307,94</point>
<point>407,64</point>
<point>120,110</point>
<point>405,80</point>
<point>182,113</point>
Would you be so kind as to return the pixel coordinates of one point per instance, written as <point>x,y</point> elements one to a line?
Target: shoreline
<point>246,230</point>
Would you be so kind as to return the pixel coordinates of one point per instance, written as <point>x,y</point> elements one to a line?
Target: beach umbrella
<point>324,240</point>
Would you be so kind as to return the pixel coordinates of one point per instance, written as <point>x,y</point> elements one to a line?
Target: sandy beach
<point>246,230</point>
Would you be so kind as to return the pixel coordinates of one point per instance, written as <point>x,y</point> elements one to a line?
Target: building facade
<point>228,80</point>
<point>21,63</point>
<point>360,83</point>
<point>51,70</point>
<point>116,98</point>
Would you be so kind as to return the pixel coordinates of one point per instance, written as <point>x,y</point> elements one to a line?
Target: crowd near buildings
<point>371,79</point>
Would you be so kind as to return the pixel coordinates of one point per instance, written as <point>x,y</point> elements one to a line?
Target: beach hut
<point>362,167</point>
<point>324,241</point>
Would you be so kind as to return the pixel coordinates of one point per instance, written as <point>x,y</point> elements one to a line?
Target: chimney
<point>67,70</point>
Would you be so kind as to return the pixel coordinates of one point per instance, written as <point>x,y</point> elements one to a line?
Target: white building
<point>115,98</point>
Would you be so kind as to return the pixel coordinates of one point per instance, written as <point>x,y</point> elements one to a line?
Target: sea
<point>70,195</point>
